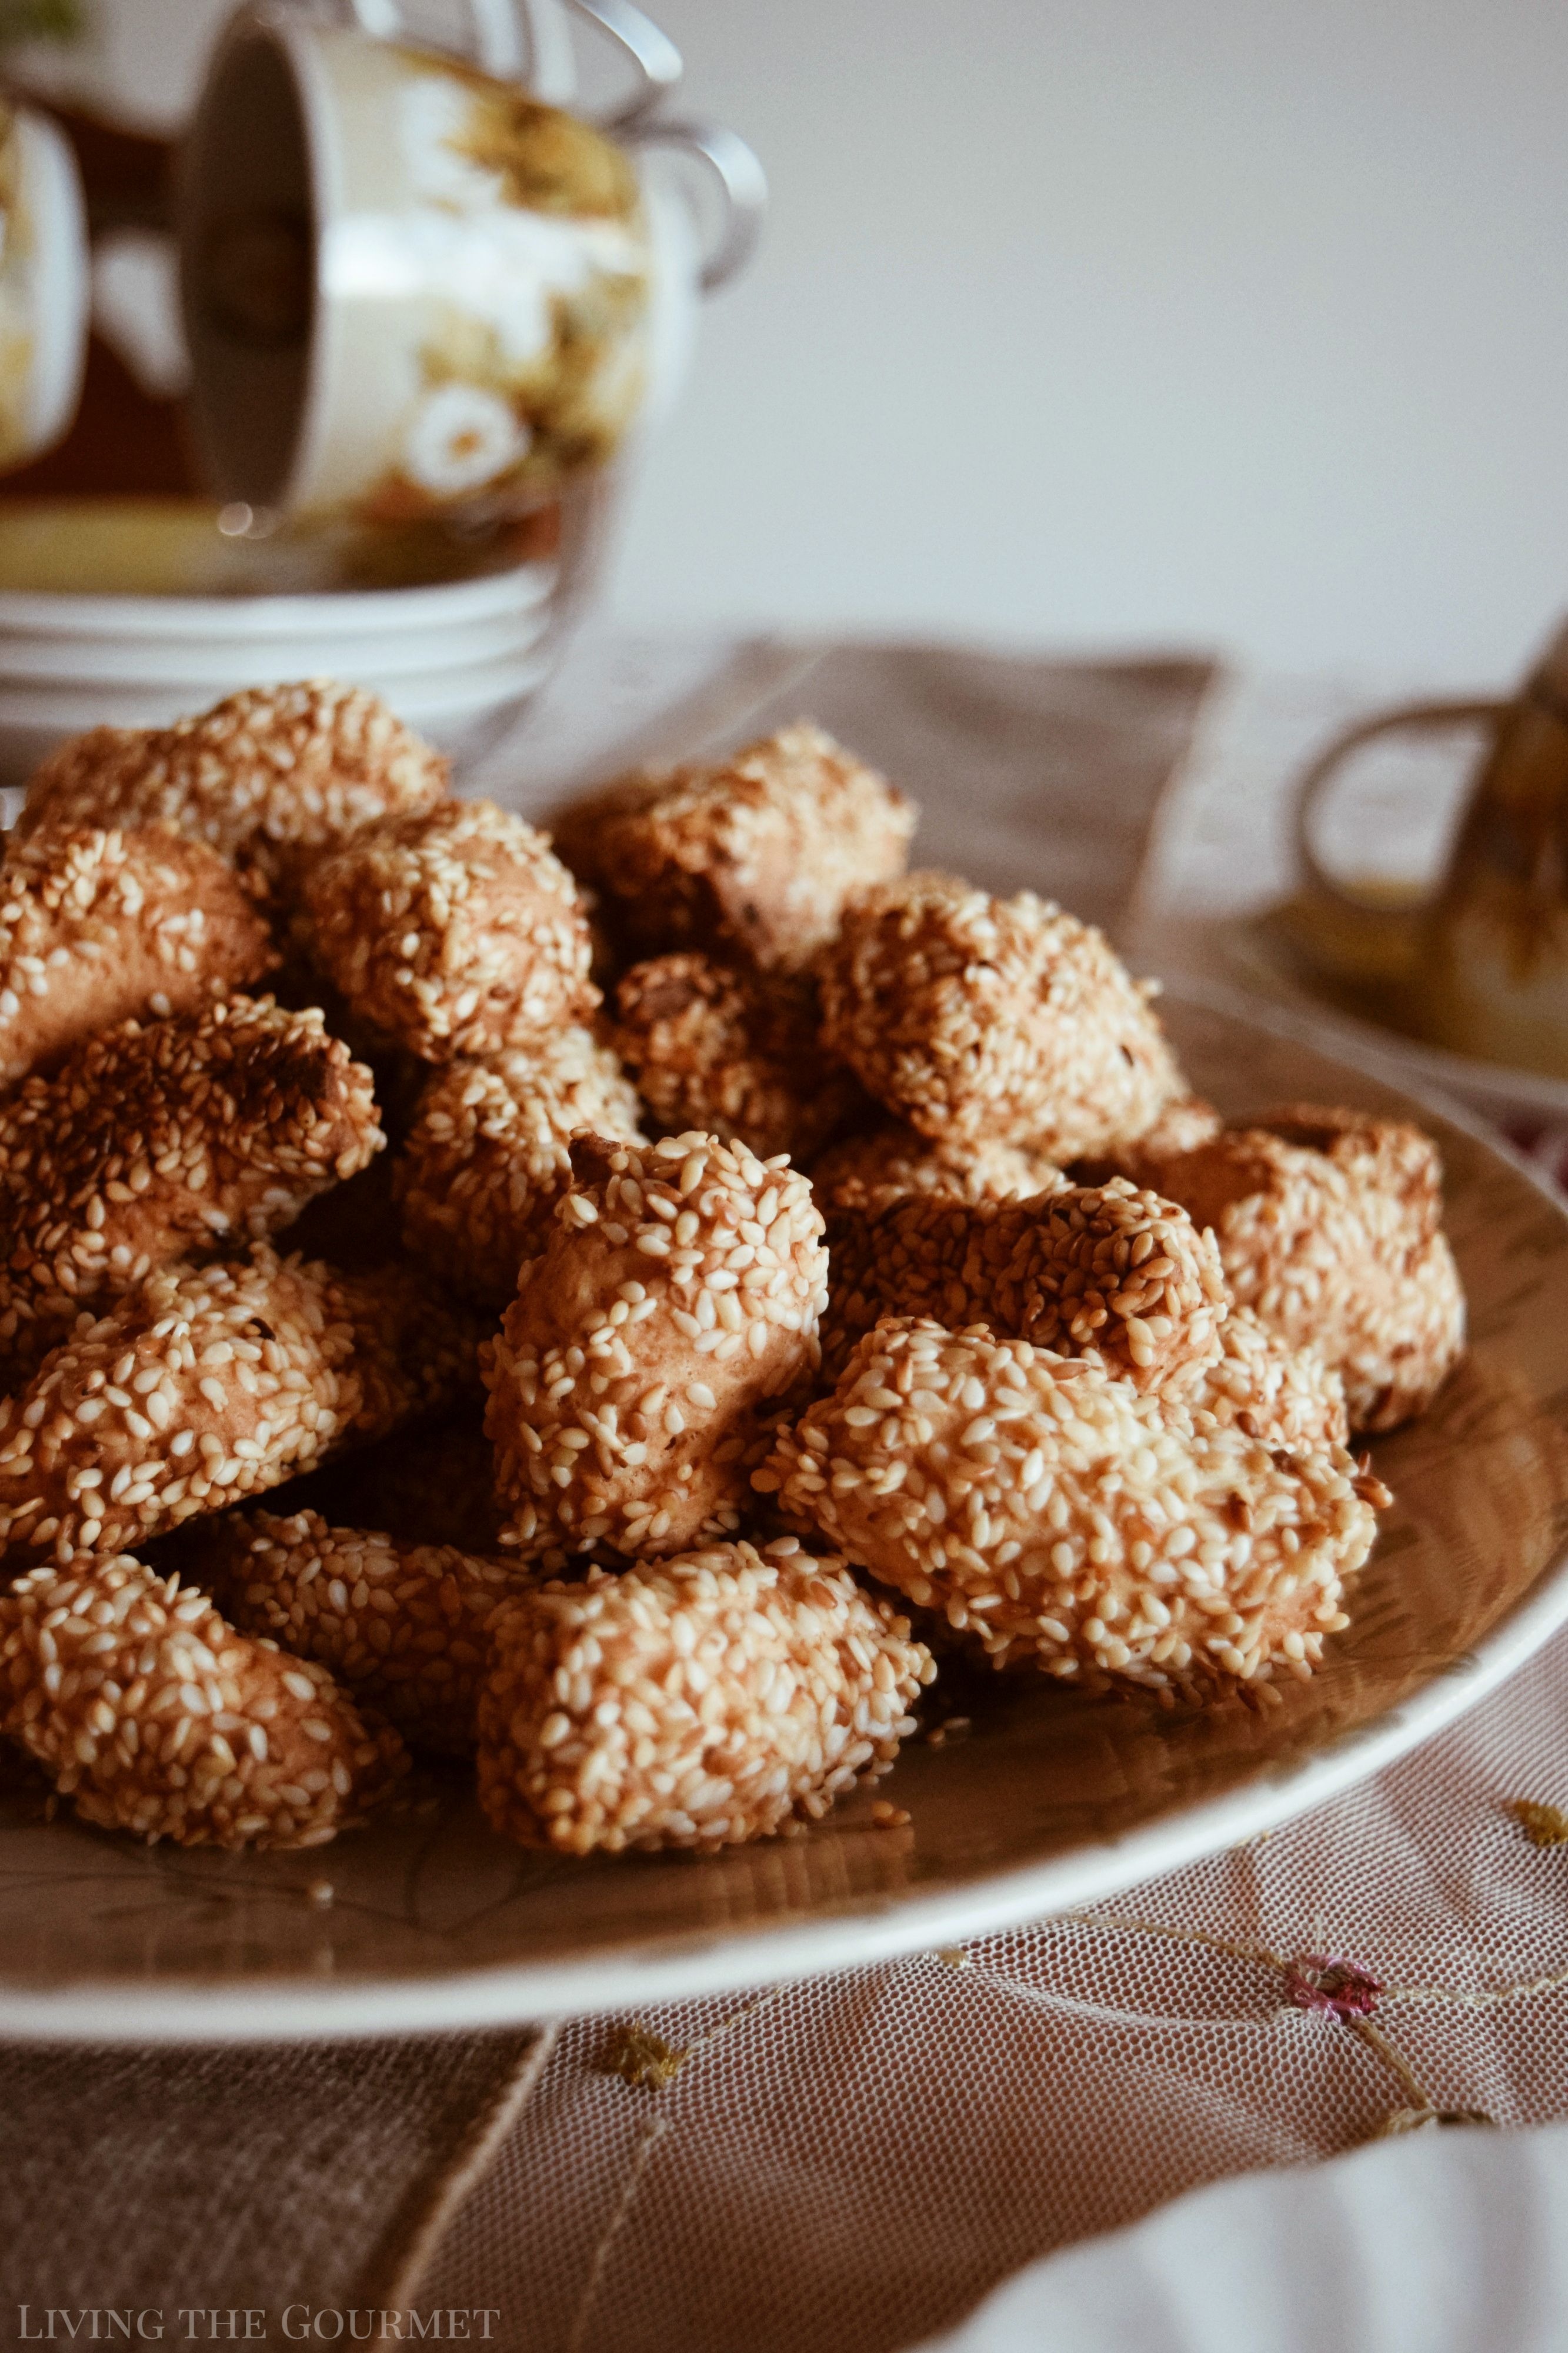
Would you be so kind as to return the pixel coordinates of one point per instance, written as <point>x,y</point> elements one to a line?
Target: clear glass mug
<point>1485,953</point>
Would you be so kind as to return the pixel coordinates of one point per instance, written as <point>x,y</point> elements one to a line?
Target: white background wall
<point>1238,321</point>
<point>1094,321</point>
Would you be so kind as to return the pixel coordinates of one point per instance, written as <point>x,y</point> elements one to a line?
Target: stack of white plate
<point>455,660</point>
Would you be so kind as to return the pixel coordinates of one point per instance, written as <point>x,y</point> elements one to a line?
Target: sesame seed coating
<point>402,1626</point>
<point>696,1703</point>
<point>733,1053</point>
<point>868,1173</point>
<point>453,931</point>
<point>156,1142</point>
<point>754,857</point>
<point>991,1019</point>
<point>271,777</point>
<point>95,926</point>
<point>203,1386</point>
<point>486,1160</point>
<point>1057,1515</point>
<point>1391,1166</point>
<point>157,1717</point>
<point>680,1290</point>
<point>1339,1247</point>
<point>1285,1397</point>
<point>1117,1276</point>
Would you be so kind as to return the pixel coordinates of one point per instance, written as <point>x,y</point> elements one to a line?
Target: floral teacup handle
<point>1311,789</point>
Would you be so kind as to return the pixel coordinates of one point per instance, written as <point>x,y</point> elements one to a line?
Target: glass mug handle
<point>530,41</point>
<point>741,182</point>
<point>1311,788</point>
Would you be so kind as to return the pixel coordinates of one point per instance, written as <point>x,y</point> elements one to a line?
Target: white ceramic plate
<point>111,665</point>
<point>49,711</point>
<point>1053,1801</point>
<point>363,612</point>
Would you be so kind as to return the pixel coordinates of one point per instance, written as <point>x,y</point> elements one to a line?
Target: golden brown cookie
<point>888,1163</point>
<point>160,1141</point>
<point>1328,1227</point>
<point>982,1020</point>
<point>98,926</point>
<point>486,1160</point>
<point>155,1716</point>
<point>1101,1272</point>
<point>1059,1516</point>
<point>753,857</point>
<point>697,1701</point>
<point>678,1295</point>
<point>1285,1397</point>
<point>271,777</point>
<point>205,1385</point>
<point>455,932</point>
<point>732,1053</point>
<point>402,1626</point>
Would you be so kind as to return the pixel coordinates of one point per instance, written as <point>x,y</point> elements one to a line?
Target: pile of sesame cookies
<point>613,1313</point>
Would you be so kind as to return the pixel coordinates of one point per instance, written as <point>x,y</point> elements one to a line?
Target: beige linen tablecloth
<point>852,2161</point>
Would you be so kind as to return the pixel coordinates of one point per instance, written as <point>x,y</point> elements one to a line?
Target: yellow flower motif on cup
<point>460,437</point>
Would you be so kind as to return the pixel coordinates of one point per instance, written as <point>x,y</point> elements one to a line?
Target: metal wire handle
<point>742,180</point>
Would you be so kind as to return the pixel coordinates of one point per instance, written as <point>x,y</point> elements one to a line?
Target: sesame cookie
<point>271,777</point>
<point>753,856</point>
<point>993,1020</point>
<point>692,1703</point>
<point>161,1141</point>
<point>888,1163</point>
<point>731,1052</point>
<point>95,926</point>
<point>1059,1516</point>
<point>157,1717</point>
<point>1117,1276</point>
<point>402,1626</point>
<point>678,1295</point>
<point>1285,1397</point>
<point>455,932</point>
<point>203,1386</point>
<point>1334,1240</point>
<point>486,1160</point>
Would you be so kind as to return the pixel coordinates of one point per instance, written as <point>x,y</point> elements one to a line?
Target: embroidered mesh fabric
<point>852,2162</point>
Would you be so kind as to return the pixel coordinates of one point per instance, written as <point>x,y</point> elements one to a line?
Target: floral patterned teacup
<point>411,288</point>
<point>44,287</point>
